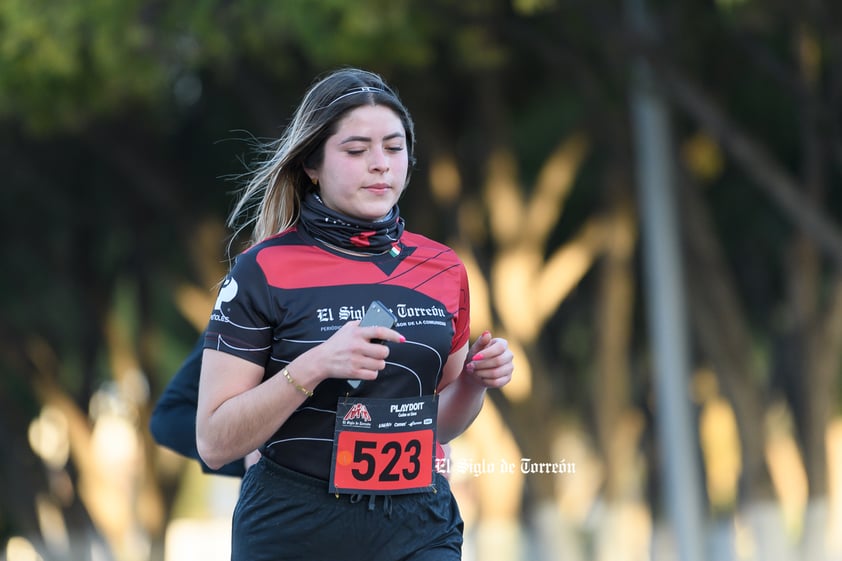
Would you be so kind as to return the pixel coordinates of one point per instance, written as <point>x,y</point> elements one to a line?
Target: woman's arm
<point>468,373</point>
<point>173,421</point>
<point>238,411</point>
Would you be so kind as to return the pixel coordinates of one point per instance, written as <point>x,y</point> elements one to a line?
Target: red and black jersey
<point>290,293</point>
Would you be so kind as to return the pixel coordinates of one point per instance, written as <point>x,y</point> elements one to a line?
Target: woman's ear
<point>313,175</point>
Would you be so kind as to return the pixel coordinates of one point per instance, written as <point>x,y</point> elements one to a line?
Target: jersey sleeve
<point>462,319</point>
<point>241,322</point>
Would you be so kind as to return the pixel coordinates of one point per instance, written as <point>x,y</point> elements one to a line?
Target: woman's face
<point>363,172</point>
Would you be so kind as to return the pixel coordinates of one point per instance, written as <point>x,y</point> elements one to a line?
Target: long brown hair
<point>271,198</point>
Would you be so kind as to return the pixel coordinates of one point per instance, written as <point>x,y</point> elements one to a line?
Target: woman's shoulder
<point>288,237</point>
<point>426,248</point>
<point>430,252</point>
<point>412,239</point>
<point>256,255</point>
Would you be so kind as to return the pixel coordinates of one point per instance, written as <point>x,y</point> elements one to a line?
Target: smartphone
<point>378,314</point>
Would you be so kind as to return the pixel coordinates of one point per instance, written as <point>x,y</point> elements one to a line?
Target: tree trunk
<point>721,328</point>
<point>622,533</point>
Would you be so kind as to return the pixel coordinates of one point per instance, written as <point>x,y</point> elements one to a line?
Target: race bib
<point>384,446</point>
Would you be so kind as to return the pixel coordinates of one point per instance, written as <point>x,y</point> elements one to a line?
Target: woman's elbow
<point>208,455</point>
<point>208,450</point>
<point>445,432</point>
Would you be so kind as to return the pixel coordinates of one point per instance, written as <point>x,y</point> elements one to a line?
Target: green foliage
<point>64,63</point>
<point>330,31</point>
<point>61,63</point>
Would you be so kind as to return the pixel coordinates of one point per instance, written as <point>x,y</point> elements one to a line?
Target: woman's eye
<point>394,148</point>
<point>355,151</point>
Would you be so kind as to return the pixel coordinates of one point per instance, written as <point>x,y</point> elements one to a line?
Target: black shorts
<point>283,515</point>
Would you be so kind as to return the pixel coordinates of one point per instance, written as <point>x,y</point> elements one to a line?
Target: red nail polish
<point>403,339</point>
<point>477,356</point>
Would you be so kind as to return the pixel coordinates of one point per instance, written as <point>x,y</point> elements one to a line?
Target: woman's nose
<point>379,160</point>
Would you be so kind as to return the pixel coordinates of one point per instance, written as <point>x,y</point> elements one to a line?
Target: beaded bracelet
<point>298,386</point>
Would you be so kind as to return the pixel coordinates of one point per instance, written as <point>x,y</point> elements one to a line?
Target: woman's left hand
<point>490,362</point>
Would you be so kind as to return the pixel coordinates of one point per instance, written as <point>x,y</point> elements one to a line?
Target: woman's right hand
<point>353,351</point>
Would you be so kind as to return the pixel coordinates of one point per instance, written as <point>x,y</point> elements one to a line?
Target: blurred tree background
<point>123,123</point>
